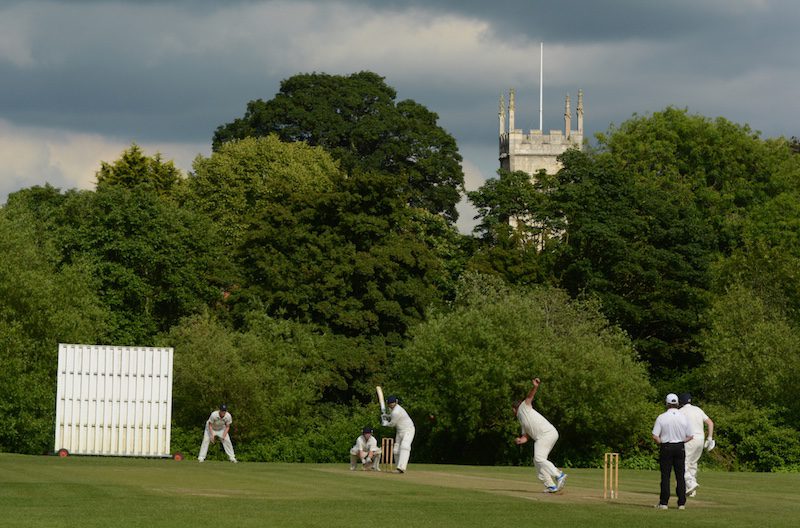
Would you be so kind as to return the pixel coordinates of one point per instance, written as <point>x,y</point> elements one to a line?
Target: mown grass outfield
<point>108,492</point>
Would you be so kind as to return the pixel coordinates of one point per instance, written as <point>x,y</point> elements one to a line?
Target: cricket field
<point>48,491</point>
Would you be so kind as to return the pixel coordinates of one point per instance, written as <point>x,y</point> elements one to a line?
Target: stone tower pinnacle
<point>567,118</point>
<point>511,110</point>
<point>534,150</point>
<point>501,114</point>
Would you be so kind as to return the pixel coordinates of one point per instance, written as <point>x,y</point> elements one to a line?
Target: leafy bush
<point>327,439</point>
<point>751,439</point>
<point>465,369</point>
<point>751,352</point>
<point>284,383</point>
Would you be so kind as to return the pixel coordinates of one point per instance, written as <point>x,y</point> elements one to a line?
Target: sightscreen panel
<point>114,400</point>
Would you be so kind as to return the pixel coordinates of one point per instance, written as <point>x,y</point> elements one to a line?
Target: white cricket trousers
<point>402,446</point>
<point>226,445</point>
<point>693,448</point>
<point>374,454</point>
<point>541,450</point>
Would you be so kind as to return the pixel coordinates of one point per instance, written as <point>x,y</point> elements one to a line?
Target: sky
<point>81,80</point>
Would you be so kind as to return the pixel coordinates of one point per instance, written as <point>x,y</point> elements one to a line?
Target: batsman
<point>401,421</point>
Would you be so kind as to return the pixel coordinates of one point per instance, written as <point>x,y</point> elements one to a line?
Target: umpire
<point>670,432</point>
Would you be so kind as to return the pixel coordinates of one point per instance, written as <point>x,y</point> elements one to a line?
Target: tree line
<point>314,255</point>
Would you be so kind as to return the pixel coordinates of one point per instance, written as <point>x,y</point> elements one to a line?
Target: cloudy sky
<point>80,80</point>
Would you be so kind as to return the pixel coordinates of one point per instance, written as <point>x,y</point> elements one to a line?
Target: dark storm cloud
<point>706,36</point>
<point>102,66</point>
<point>578,21</point>
<point>173,70</point>
<point>109,70</point>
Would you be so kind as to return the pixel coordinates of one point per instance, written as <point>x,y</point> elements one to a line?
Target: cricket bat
<point>380,399</point>
<point>379,390</point>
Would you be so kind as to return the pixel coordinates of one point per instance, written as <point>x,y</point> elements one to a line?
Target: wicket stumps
<point>387,453</point>
<point>611,476</point>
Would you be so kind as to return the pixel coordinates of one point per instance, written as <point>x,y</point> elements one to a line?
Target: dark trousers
<point>672,457</point>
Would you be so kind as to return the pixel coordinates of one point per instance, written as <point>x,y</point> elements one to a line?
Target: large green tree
<point>643,247</point>
<point>515,225</point>
<point>243,178</point>
<point>321,246</point>
<point>766,255</point>
<point>356,118</point>
<point>463,369</point>
<point>647,214</point>
<point>156,262</point>
<point>43,302</point>
<point>752,354</point>
<point>352,259</point>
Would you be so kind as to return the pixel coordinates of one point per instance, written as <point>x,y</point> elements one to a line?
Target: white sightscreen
<point>113,400</point>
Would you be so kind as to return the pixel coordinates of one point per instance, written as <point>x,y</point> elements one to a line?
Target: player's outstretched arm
<point>532,392</point>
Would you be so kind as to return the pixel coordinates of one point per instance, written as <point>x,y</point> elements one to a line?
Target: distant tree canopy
<point>752,354</point>
<point>317,245</point>
<point>242,178</point>
<point>654,221</point>
<point>514,220</point>
<point>134,169</point>
<point>155,262</point>
<point>313,255</point>
<point>357,120</point>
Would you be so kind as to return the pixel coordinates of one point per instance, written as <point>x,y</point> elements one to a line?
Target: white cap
<point>672,398</point>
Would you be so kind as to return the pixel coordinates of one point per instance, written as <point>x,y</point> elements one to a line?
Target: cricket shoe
<point>681,507</point>
<point>352,467</point>
<point>691,489</point>
<point>692,494</point>
<point>551,489</point>
<point>561,480</point>
<point>398,470</point>
<point>662,507</point>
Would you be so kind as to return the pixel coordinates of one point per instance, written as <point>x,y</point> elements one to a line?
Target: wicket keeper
<point>367,451</point>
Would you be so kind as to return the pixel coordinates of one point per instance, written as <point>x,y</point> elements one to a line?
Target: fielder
<point>217,426</point>
<point>366,450</point>
<point>694,447</point>
<point>536,427</point>
<point>399,419</point>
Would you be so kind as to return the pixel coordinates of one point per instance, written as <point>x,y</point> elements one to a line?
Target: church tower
<point>534,150</point>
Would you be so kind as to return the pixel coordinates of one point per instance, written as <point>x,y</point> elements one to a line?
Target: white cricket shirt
<point>672,427</point>
<point>533,424</point>
<point>696,418</point>
<point>362,444</point>
<point>219,423</point>
<point>400,419</point>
